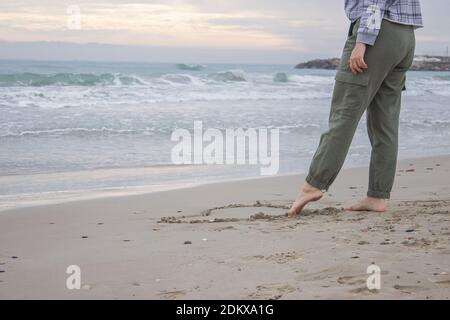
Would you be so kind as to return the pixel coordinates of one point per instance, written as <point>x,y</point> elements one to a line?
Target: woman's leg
<point>382,126</point>
<point>351,97</point>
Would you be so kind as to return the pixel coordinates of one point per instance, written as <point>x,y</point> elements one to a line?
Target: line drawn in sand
<point>206,216</point>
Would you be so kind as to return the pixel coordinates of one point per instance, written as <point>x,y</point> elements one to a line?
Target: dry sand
<point>232,241</point>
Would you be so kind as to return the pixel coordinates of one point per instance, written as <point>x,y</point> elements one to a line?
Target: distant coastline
<point>421,63</point>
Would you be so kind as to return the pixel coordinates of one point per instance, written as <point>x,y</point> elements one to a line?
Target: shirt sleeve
<point>372,16</point>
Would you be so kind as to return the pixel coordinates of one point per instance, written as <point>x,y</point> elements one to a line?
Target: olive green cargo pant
<point>378,92</point>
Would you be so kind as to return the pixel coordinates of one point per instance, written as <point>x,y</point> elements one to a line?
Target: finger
<point>352,67</point>
<point>362,64</point>
<point>356,67</point>
<point>359,66</point>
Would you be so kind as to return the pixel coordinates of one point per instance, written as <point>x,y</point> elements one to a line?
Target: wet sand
<point>232,240</point>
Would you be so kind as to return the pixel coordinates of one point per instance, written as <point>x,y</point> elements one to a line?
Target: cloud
<point>299,25</point>
<point>246,24</point>
<point>149,24</point>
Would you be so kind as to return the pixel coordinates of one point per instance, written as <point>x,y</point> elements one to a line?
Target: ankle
<point>307,188</point>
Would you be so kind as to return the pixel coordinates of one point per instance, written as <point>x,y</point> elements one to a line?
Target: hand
<point>356,62</point>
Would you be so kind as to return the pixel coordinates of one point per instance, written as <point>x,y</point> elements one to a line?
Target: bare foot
<point>369,204</point>
<point>308,194</point>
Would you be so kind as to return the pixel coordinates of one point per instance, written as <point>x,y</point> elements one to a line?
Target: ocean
<point>74,129</point>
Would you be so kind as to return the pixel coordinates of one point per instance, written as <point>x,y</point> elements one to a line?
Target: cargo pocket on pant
<point>350,91</point>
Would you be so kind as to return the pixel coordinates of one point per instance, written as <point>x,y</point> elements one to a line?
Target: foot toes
<point>291,213</point>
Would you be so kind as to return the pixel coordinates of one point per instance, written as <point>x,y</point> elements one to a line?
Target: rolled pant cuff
<point>378,194</point>
<point>316,183</point>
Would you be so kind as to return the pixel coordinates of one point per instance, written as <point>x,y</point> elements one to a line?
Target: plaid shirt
<point>372,12</point>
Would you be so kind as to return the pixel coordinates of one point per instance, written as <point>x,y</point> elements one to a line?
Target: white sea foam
<point>90,117</point>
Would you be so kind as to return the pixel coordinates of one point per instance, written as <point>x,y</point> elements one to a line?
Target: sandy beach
<point>232,240</point>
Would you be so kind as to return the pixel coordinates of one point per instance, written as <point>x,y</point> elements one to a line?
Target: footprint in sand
<point>359,280</point>
<point>445,283</point>
<point>284,257</point>
<point>352,280</point>
<point>172,295</point>
<point>320,275</point>
<point>407,288</point>
<point>363,290</point>
<point>413,242</point>
<point>280,258</point>
<point>273,291</point>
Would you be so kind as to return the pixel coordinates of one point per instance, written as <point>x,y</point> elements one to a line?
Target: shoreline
<point>190,243</point>
<point>97,194</point>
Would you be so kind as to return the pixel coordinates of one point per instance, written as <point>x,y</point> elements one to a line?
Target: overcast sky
<point>260,31</point>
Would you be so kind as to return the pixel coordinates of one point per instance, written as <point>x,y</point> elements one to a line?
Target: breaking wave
<point>190,67</point>
<point>231,75</point>
<point>67,79</point>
